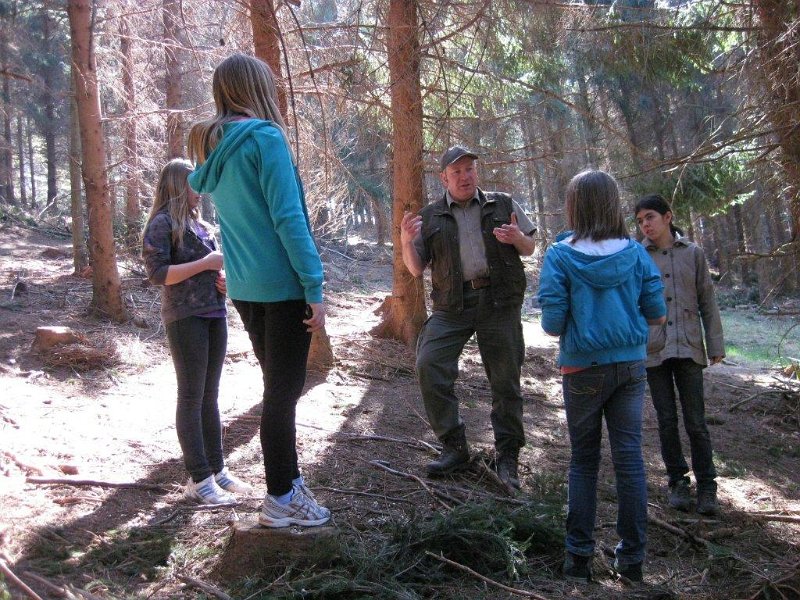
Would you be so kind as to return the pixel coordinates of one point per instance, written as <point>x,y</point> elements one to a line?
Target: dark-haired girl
<point>689,294</point>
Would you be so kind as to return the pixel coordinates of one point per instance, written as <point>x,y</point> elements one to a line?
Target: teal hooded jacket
<point>267,243</point>
<point>599,305</point>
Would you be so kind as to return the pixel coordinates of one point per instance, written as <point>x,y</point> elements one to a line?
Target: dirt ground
<point>362,440</point>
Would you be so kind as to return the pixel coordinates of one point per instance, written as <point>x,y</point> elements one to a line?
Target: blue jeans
<point>197,346</point>
<point>502,349</point>
<point>687,376</point>
<point>615,391</point>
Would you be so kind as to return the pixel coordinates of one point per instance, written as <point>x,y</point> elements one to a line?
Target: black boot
<point>506,466</point>
<point>454,456</point>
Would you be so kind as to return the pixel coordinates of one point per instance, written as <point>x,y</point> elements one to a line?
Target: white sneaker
<point>304,488</point>
<point>231,483</point>
<point>207,492</point>
<point>301,510</point>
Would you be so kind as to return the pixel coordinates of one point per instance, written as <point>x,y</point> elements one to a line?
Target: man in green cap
<point>472,241</point>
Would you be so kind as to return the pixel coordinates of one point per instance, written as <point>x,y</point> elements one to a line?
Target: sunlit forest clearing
<point>698,101</point>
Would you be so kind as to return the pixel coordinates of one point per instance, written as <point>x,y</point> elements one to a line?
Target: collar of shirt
<point>678,241</point>
<point>450,199</point>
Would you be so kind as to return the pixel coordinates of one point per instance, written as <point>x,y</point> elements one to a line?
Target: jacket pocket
<point>656,338</point>
<point>691,329</point>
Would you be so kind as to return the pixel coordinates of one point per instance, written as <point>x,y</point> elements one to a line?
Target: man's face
<point>461,178</point>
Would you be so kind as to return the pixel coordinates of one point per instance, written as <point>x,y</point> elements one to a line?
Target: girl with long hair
<point>274,272</point>
<point>181,256</point>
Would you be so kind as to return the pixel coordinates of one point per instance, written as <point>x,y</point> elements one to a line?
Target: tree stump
<point>251,548</point>
<point>320,354</point>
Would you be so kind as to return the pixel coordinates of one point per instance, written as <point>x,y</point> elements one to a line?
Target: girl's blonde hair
<point>172,197</point>
<point>243,86</point>
<point>593,207</point>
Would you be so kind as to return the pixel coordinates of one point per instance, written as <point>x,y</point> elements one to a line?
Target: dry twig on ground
<point>492,582</point>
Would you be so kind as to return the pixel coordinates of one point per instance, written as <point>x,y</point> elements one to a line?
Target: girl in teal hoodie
<point>598,292</point>
<point>273,269</point>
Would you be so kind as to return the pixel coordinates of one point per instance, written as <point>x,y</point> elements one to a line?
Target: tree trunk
<point>49,125</point>
<point>741,246</point>
<point>106,289</point>
<point>23,193</point>
<point>381,224</point>
<point>133,211</point>
<point>267,44</point>
<point>588,123</point>
<point>532,172</point>
<point>31,161</point>
<point>266,39</point>
<point>404,311</point>
<point>779,55</point>
<point>6,145</point>
<point>556,135</point>
<point>722,257</point>
<point>79,258</point>
<point>174,78</point>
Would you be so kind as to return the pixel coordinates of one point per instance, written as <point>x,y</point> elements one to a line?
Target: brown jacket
<point>689,294</point>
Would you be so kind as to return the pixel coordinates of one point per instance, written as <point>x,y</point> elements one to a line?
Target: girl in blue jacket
<point>273,269</point>
<point>598,292</point>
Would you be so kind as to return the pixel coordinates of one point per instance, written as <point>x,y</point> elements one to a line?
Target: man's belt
<point>478,283</point>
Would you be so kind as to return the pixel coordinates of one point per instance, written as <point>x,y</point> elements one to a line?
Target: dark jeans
<point>616,392</point>
<point>280,343</point>
<point>687,376</point>
<point>198,349</point>
<point>502,349</point>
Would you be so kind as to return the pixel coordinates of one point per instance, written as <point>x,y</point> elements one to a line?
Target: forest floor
<point>91,474</point>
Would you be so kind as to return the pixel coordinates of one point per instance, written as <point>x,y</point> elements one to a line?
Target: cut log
<point>51,252</point>
<point>252,547</point>
<point>55,335</point>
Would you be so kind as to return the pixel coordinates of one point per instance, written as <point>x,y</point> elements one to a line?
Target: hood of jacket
<point>206,176</point>
<point>599,272</point>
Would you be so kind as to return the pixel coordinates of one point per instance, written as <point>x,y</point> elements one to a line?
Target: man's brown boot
<point>454,456</point>
<point>506,466</point>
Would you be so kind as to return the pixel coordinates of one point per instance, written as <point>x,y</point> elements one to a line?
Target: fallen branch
<point>791,574</point>
<point>494,477</point>
<point>205,587</point>
<point>82,593</point>
<point>93,482</point>
<point>435,494</point>
<point>22,464</point>
<point>485,579</point>
<point>745,401</point>
<point>51,587</point>
<point>166,519</point>
<point>9,574</point>
<point>368,376</point>
<point>472,492</point>
<point>367,494</point>
<point>380,438</point>
<point>679,531</point>
<point>723,532</point>
<point>768,517</point>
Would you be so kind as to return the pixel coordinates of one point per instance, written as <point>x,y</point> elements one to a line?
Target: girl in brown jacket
<point>689,294</point>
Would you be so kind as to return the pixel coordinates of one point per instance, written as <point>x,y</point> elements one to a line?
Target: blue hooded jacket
<point>267,243</point>
<point>599,305</point>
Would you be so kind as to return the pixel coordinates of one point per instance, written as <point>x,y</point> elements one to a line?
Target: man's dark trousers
<point>502,348</point>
